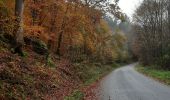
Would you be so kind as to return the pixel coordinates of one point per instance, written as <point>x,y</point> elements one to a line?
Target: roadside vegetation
<point>50,49</point>
<point>156,73</point>
<point>151,43</point>
<point>151,31</point>
<point>89,77</point>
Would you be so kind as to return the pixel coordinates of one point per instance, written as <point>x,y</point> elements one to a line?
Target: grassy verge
<point>89,74</point>
<point>160,75</point>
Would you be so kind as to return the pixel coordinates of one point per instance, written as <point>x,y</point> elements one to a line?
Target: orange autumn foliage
<point>65,25</point>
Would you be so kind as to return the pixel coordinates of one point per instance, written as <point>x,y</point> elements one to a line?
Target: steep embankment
<point>28,77</point>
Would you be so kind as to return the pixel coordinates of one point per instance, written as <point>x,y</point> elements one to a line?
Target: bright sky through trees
<point>129,6</point>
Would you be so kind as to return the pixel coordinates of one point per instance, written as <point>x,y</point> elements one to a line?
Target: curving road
<point>127,84</point>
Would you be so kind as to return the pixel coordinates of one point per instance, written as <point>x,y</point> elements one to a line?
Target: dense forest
<point>49,48</point>
<point>151,28</point>
<point>55,49</point>
<point>65,28</point>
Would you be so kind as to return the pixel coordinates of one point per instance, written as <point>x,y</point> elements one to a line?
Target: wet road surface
<point>127,84</point>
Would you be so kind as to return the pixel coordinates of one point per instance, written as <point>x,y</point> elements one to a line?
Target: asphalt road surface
<point>127,84</point>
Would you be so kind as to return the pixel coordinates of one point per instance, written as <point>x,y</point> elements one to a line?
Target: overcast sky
<point>129,6</point>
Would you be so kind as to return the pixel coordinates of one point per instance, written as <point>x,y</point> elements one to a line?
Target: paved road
<point>127,84</point>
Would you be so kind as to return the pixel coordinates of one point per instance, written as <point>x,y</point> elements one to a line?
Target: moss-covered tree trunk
<point>18,33</point>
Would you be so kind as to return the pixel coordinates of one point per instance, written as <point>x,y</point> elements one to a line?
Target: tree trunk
<point>34,13</point>
<point>168,30</point>
<point>59,44</point>
<point>19,9</point>
<point>62,31</point>
<point>169,13</point>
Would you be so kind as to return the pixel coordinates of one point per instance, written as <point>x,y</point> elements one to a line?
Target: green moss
<point>77,95</point>
<point>50,62</point>
<point>28,78</point>
<point>39,47</point>
<point>2,49</point>
<point>25,54</point>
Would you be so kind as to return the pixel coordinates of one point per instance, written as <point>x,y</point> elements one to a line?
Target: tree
<point>19,9</point>
<point>151,18</point>
<point>169,13</point>
<point>63,25</point>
